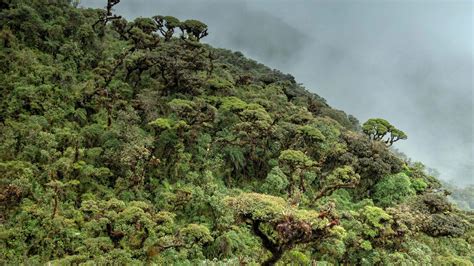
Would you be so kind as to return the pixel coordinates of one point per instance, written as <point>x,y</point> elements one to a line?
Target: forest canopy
<point>134,142</point>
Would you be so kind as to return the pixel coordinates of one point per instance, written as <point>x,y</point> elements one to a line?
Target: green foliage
<point>296,257</point>
<point>123,142</point>
<point>162,123</point>
<point>394,189</point>
<point>295,158</point>
<point>370,160</point>
<point>341,177</point>
<point>275,183</point>
<point>280,226</point>
<point>313,134</point>
<point>295,164</point>
<point>258,206</point>
<point>419,185</point>
<point>378,128</point>
<point>232,104</point>
<point>194,28</point>
<point>375,216</point>
<point>445,225</point>
<point>234,243</point>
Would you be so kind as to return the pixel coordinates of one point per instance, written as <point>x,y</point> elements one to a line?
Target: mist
<point>410,62</point>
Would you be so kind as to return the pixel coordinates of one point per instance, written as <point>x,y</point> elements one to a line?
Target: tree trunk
<point>277,251</point>
<point>276,256</point>
<point>55,206</point>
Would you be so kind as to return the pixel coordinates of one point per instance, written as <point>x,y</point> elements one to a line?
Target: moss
<point>258,206</point>
<point>376,216</point>
<point>295,157</point>
<point>232,104</point>
<point>313,133</point>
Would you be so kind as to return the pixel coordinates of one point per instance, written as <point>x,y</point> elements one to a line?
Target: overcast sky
<point>410,62</point>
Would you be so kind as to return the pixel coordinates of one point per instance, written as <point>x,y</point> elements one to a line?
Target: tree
<point>178,64</point>
<point>16,183</point>
<point>372,160</point>
<point>295,164</point>
<point>281,227</point>
<point>58,188</point>
<point>166,25</point>
<point>393,189</point>
<point>395,135</point>
<point>249,127</point>
<point>193,29</point>
<point>107,15</point>
<point>169,144</point>
<point>341,177</point>
<point>378,129</point>
<point>309,138</point>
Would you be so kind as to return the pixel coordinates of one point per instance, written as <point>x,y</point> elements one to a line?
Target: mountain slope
<point>133,142</point>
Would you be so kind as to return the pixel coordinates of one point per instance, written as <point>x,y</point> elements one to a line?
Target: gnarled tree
<point>193,29</point>
<point>378,129</point>
<point>280,226</point>
<point>107,16</point>
<point>341,177</point>
<point>295,164</point>
<point>166,25</point>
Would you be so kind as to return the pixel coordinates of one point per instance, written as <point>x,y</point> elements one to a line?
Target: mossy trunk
<point>276,256</point>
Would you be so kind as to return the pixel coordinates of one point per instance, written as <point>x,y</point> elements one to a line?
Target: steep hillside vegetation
<point>132,142</point>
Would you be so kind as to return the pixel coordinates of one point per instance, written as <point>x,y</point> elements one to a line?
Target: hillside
<point>133,142</point>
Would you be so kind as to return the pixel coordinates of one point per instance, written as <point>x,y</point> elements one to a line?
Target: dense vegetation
<point>132,142</point>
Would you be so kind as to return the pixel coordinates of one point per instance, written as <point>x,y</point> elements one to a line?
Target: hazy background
<point>410,62</point>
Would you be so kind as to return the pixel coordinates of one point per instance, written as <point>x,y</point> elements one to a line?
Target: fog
<point>410,62</point>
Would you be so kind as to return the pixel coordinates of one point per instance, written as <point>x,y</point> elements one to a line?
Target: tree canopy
<point>378,129</point>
